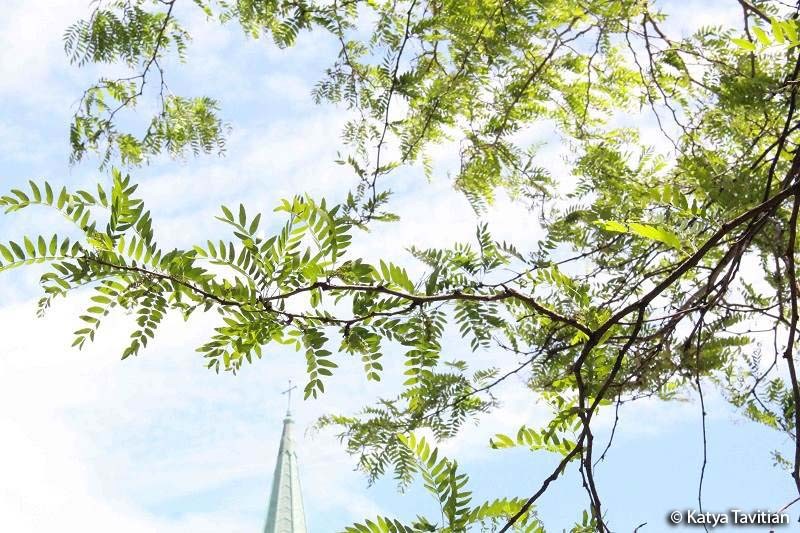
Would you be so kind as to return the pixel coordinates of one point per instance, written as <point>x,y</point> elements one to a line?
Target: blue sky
<point>158,443</point>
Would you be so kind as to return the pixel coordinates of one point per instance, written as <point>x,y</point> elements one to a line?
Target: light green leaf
<point>656,234</point>
<point>501,441</point>
<point>777,30</point>
<point>762,36</point>
<point>612,225</point>
<point>790,30</point>
<point>744,44</point>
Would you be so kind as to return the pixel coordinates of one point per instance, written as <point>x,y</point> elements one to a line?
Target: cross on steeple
<point>288,393</point>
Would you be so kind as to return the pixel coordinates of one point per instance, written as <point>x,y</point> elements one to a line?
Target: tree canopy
<point>667,264</point>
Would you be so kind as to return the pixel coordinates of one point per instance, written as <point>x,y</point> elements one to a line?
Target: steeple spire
<point>285,512</point>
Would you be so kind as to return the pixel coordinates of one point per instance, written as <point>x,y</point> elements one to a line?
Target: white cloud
<point>92,442</point>
<point>33,59</point>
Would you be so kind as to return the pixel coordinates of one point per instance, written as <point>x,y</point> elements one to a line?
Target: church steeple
<point>285,512</point>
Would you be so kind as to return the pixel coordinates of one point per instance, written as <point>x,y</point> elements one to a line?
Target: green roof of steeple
<point>285,513</point>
